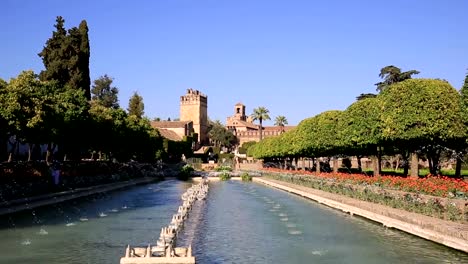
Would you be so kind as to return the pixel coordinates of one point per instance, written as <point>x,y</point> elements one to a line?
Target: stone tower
<point>239,112</point>
<point>194,107</point>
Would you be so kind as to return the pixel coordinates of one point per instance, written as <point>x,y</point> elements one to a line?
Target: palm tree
<point>281,121</point>
<point>392,74</point>
<point>260,114</point>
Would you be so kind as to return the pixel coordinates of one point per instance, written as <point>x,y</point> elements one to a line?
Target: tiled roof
<point>169,124</point>
<point>169,134</point>
<point>245,124</point>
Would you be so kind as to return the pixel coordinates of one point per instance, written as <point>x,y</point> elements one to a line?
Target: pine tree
<point>103,93</point>
<point>136,106</point>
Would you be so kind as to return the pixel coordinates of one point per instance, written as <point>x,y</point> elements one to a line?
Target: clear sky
<point>296,58</point>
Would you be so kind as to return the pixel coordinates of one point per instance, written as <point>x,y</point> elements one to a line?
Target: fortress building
<point>193,119</point>
<point>245,130</point>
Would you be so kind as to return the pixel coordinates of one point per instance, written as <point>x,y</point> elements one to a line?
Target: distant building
<point>194,107</point>
<point>174,130</point>
<point>193,119</point>
<point>245,130</point>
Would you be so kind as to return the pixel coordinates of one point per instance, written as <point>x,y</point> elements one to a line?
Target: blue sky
<point>296,58</point>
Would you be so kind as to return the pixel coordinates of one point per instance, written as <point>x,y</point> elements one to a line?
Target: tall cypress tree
<point>54,57</point>
<point>84,58</point>
<point>66,57</point>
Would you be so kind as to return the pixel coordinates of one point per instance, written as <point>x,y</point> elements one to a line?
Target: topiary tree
<point>422,115</point>
<point>360,130</point>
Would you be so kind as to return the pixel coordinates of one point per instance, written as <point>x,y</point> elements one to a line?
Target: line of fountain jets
<point>166,244</point>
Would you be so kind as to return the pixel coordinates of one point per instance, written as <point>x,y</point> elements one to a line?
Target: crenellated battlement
<point>193,97</point>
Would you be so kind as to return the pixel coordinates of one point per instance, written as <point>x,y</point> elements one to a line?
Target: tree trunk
<point>296,166</point>
<point>397,162</point>
<point>302,163</point>
<point>30,151</point>
<point>261,130</point>
<point>379,159</point>
<point>406,163</point>
<point>12,150</point>
<point>359,163</point>
<point>49,153</point>
<point>414,165</point>
<point>285,163</point>
<point>458,166</point>
<point>317,165</point>
<point>431,165</point>
<point>335,165</point>
<point>375,166</point>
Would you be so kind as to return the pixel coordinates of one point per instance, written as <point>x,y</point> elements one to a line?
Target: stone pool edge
<point>411,228</point>
<point>54,198</point>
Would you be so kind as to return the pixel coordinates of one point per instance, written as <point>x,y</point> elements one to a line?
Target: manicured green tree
<point>260,114</point>
<point>245,147</point>
<point>422,115</point>
<point>391,75</point>
<point>136,106</point>
<point>360,130</point>
<point>103,93</point>
<point>461,149</point>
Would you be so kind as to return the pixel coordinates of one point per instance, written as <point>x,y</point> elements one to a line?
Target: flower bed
<point>384,191</point>
<point>431,185</point>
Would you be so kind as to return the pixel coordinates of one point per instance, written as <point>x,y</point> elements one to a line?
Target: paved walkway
<point>448,233</point>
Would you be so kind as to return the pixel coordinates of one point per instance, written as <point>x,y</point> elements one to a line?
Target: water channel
<point>238,223</point>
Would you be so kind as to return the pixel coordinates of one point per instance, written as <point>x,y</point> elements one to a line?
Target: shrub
<point>246,177</point>
<point>224,176</point>
<point>223,168</point>
<point>185,172</point>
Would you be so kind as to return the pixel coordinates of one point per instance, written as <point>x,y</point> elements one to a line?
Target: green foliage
<point>185,172</point>
<point>391,75</point>
<point>66,57</point>
<point>245,147</point>
<point>359,126</point>
<point>224,176</point>
<point>175,149</point>
<point>136,106</point>
<point>104,94</point>
<point>246,177</point>
<point>319,135</point>
<point>220,136</point>
<point>421,111</point>
<point>365,96</point>
<point>223,168</point>
<point>260,114</point>
<point>281,121</point>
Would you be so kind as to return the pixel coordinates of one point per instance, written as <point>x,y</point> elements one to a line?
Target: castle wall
<point>246,136</point>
